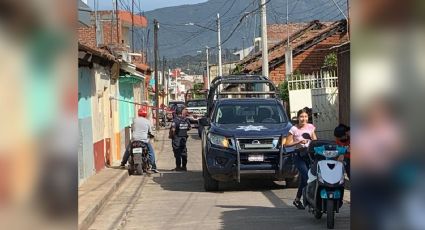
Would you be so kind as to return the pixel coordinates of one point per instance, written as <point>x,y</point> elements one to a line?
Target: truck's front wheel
<point>209,183</point>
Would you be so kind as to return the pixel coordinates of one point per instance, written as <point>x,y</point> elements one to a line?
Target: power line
<point>240,22</point>
<point>321,12</point>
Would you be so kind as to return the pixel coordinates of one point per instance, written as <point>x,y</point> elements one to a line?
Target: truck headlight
<point>218,140</point>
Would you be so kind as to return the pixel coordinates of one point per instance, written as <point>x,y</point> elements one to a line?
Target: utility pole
<point>132,25</point>
<point>287,22</point>
<point>112,21</point>
<point>147,45</point>
<point>220,70</point>
<point>168,85</point>
<point>156,27</point>
<point>116,21</point>
<point>264,38</point>
<point>243,47</point>
<point>163,79</point>
<point>96,23</point>
<point>208,69</point>
<point>175,88</point>
<point>288,50</point>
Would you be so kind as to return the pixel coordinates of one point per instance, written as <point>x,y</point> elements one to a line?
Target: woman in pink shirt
<point>295,138</point>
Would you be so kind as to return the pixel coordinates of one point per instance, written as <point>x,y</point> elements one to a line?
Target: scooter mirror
<point>306,136</point>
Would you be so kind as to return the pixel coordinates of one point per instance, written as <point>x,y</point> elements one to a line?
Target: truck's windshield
<point>249,113</point>
<point>197,103</point>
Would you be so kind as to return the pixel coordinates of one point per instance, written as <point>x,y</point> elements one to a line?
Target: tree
<point>330,61</point>
<point>284,91</point>
<point>237,69</point>
<point>198,86</point>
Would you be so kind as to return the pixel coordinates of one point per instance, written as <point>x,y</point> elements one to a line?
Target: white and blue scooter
<point>324,193</point>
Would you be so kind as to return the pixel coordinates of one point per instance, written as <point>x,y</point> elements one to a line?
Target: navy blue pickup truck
<point>244,132</point>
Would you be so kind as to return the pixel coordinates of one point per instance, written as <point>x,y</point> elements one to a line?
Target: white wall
<point>299,99</point>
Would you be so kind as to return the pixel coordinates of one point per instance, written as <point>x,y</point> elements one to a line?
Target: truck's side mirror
<point>204,122</point>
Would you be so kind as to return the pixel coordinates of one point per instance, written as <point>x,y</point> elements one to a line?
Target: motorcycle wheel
<point>130,167</point>
<point>330,222</point>
<point>139,169</point>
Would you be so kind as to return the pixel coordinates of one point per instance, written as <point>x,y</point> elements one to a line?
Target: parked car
<point>196,108</point>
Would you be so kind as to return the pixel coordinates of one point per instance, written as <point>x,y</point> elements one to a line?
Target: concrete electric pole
<point>264,38</point>
<point>163,79</point>
<point>156,27</point>
<point>220,69</point>
<point>208,68</point>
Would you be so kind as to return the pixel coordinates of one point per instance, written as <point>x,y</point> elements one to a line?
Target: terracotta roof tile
<point>97,51</point>
<point>298,38</point>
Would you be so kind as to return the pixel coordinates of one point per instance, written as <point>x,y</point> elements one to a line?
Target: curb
<point>87,218</point>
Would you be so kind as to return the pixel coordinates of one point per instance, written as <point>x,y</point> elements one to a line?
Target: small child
<point>342,136</point>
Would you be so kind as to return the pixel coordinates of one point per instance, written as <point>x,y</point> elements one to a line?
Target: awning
<point>131,69</point>
<point>129,78</point>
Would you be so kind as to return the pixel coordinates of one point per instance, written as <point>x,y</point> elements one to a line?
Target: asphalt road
<point>177,200</point>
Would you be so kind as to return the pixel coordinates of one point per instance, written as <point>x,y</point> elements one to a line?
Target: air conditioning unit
<point>126,56</point>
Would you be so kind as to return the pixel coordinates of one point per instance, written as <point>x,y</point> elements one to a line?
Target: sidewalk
<point>95,192</point>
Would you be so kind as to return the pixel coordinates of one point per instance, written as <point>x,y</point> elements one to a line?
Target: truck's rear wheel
<point>209,183</point>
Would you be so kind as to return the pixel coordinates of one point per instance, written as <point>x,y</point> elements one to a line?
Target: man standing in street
<point>178,134</point>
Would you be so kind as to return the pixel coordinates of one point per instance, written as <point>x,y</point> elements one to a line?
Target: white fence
<point>318,91</point>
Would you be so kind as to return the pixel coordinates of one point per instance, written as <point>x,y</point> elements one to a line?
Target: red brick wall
<point>107,32</point>
<point>310,60</point>
<point>87,36</point>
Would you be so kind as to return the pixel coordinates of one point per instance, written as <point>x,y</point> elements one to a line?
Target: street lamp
<point>204,27</point>
<point>218,31</point>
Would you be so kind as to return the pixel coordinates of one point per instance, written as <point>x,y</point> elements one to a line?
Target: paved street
<point>177,200</point>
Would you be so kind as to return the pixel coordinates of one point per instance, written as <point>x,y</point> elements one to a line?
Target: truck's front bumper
<point>222,165</point>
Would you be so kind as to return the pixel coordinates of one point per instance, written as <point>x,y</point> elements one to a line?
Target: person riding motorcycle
<point>142,130</point>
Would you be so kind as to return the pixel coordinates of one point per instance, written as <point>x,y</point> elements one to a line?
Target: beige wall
<point>100,103</point>
<point>227,70</point>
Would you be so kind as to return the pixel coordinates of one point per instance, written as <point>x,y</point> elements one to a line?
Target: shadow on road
<point>192,181</point>
<point>280,217</point>
<point>194,136</point>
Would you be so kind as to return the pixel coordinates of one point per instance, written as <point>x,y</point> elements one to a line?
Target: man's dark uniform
<point>182,125</point>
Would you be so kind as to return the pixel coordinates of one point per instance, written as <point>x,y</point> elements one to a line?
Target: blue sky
<point>146,5</point>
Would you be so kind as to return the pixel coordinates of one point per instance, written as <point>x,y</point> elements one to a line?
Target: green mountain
<point>178,38</point>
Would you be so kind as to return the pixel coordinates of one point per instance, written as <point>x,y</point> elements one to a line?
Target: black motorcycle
<point>139,158</point>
